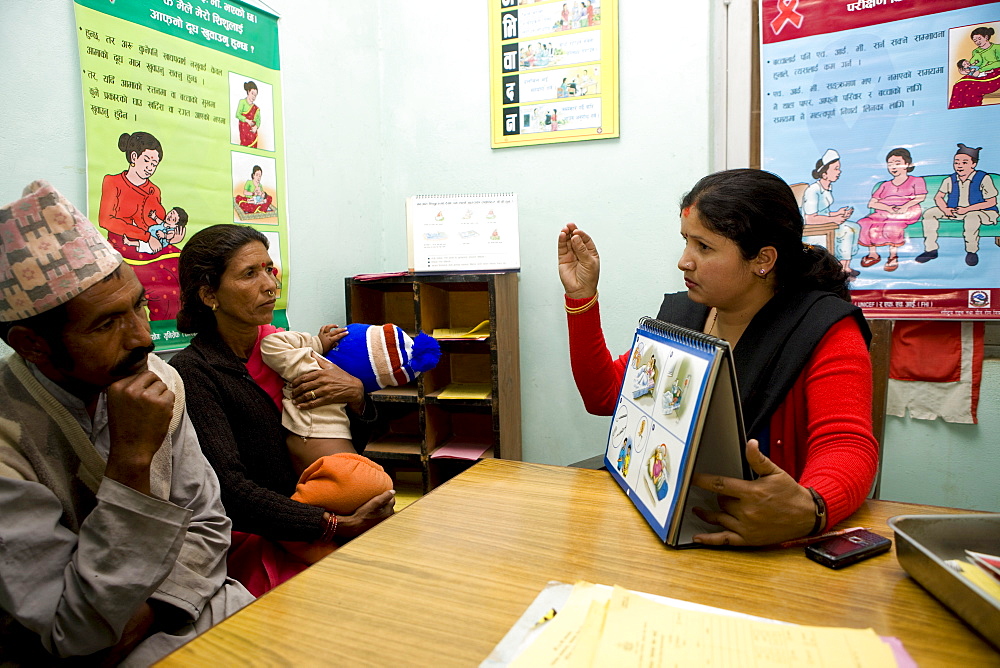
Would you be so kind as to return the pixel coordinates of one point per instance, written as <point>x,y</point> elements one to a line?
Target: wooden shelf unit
<point>414,419</point>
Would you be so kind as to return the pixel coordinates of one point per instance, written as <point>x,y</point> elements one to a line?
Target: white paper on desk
<point>554,597</point>
<point>527,630</point>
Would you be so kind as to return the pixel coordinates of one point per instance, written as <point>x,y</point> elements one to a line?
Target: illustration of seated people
<point>820,216</point>
<point>967,195</point>
<point>130,205</point>
<point>253,202</point>
<point>248,116</point>
<point>170,230</point>
<point>980,72</point>
<point>895,205</point>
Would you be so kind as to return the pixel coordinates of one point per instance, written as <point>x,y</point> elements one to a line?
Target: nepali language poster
<point>553,71</point>
<point>882,115</point>
<point>182,108</point>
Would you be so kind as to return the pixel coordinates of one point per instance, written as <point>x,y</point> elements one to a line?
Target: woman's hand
<point>328,385</point>
<point>769,510</point>
<point>329,335</point>
<point>579,263</point>
<point>154,244</point>
<point>367,516</point>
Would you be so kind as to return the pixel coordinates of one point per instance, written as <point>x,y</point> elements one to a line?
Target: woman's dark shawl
<point>775,346</point>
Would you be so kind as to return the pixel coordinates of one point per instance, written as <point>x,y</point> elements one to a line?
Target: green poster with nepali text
<point>182,108</point>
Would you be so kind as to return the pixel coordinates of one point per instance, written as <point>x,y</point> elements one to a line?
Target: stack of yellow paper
<point>599,626</point>
<point>480,331</point>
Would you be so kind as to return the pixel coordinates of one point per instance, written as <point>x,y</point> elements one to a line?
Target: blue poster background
<point>863,92</point>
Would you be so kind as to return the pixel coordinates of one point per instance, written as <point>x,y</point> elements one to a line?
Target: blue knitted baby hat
<point>384,355</point>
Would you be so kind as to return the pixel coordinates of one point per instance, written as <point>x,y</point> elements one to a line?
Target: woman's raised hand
<point>579,263</point>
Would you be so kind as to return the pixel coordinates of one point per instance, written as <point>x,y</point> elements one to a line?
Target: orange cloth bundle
<point>341,484</point>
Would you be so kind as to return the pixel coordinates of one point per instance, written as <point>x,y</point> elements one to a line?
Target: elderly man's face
<point>107,333</point>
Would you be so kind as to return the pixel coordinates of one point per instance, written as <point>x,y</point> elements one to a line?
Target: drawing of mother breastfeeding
<point>130,205</point>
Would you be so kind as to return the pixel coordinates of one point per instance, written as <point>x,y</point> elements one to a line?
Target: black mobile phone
<point>848,548</point>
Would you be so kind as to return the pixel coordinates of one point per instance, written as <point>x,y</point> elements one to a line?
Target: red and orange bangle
<point>330,530</point>
<point>583,307</point>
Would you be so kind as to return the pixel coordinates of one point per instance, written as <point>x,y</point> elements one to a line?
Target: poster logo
<point>979,298</point>
<point>786,14</point>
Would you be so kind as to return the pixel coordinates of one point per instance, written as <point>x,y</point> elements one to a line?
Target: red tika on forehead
<point>687,211</point>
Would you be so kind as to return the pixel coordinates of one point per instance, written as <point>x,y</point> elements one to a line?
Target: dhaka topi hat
<point>49,253</point>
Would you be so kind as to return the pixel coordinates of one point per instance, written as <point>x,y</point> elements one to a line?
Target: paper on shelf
<point>480,331</point>
<point>459,448</point>
<point>466,391</point>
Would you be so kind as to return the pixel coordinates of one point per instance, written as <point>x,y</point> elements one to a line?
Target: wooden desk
<point>441,583</point>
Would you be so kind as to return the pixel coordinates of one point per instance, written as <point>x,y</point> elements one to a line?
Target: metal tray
<point>925,542</point>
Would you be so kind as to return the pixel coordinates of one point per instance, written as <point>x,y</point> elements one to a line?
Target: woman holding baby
<point>229,291</point>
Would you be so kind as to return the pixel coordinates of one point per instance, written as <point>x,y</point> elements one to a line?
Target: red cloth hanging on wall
<point>936,369</point>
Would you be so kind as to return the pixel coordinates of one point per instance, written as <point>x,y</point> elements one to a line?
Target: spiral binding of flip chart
<point>463,196</point>
<point>691,338</point>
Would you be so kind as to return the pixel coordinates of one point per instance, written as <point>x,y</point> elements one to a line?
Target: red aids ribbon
<point>786,14</point>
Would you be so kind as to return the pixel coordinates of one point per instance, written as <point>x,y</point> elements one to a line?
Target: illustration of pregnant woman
<point>896,205</point>
<point>127,199</point>
<point>248,116</point>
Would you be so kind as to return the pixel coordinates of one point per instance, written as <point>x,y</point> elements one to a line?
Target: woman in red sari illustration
<point>254,199</point>
<point>248,116</point>
<point>980,72</point>
<point>130,204</point>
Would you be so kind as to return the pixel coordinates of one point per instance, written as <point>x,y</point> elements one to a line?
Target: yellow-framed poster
<point>553,71</point>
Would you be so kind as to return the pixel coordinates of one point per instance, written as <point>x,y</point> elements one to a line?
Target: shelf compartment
<point>453,305</point>
<point>401,435</point>
<point>456,367</point>
<point>387,303</point>
<point>467,424</point>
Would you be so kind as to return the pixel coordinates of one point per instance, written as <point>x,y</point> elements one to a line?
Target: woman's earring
<point>215,307</point>
<point>761,272</point>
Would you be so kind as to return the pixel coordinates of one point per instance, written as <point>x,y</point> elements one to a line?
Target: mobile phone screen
<point>841,545</point>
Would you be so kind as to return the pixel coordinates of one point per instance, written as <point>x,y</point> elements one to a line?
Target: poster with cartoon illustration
<point>655,424</point>
<point>182,109</point>
<point>553,71</point>
<point>880,114</point>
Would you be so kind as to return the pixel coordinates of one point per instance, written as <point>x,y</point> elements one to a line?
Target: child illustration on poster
<point>130,206</point>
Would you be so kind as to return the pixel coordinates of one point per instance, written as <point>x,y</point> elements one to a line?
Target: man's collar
<point>74,404</point>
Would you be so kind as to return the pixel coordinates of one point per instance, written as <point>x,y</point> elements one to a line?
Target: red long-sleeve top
<point>824,424</point>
